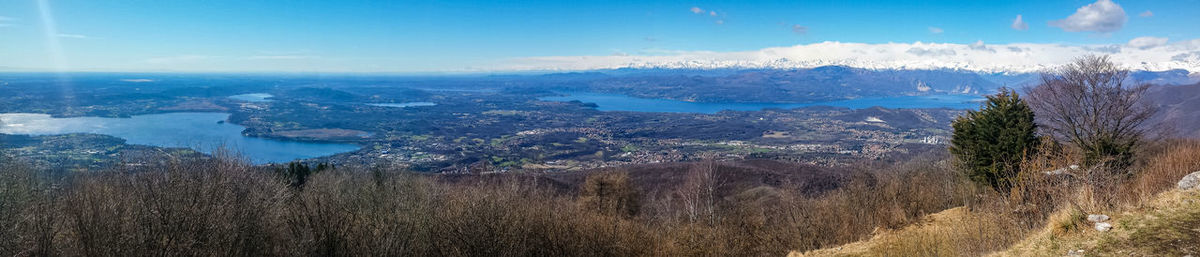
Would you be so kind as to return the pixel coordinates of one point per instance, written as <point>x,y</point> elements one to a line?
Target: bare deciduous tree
<point>698,193</point>
<point>1090,104</point>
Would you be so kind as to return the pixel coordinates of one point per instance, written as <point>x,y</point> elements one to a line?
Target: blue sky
<point>400,36</point>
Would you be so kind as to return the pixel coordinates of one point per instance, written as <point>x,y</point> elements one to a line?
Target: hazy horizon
<point>544,36</point>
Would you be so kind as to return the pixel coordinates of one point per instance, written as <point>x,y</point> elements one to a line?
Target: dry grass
<point>953,232</point>
<point>1170,228</point>
<point>1168,225</point>
<point>1163,169</point>
<point>1150,218</point>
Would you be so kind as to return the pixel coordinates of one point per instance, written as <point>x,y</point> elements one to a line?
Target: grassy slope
<point>947,233</point>
<point>1168,225</point>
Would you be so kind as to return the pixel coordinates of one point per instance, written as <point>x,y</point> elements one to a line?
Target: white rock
<point>1189,182</point>
<point>1103,226</point>
<point>1097,217</point>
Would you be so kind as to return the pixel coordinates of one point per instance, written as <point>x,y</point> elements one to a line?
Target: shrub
<point>991,143</point>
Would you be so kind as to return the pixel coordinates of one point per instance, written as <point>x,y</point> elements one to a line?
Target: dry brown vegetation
<point>222,206</point>
<point>953,232</point>
<point>1045,214</point>
<point>1164,167</point>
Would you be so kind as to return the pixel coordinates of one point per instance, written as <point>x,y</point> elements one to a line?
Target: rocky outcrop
<point>1190,182</point>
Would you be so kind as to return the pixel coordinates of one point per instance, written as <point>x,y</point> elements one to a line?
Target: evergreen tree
<point>297,173</point>
<point>991,143</point>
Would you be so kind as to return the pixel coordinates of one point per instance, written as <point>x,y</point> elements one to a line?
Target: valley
<point>487,124</point>
<point>469,124</point>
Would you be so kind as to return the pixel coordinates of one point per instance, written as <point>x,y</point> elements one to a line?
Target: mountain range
<point>823,83</point>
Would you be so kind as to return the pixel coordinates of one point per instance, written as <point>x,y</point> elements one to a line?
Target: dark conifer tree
<point>991,143</point>
<point>297,173</point>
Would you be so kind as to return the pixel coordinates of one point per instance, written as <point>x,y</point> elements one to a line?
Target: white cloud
<point>980,46</point>
<point>1147,42</point>
<point>796,28</point>
<point>1147,13</point>
<point>1016,57</point>
<point>64,35</point>
<point>1103,16</point>
<point>1019,24</point>
<point>697,10</point>
<point>919,51</point>
<point>935,30</point>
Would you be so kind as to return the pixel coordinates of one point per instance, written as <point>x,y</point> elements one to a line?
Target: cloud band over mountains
<point>1153,54</point>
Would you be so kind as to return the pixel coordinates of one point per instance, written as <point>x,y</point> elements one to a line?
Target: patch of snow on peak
<point>988,58</point>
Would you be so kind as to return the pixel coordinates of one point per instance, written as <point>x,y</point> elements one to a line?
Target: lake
<point>255,97</point>
<point>196,130</point>
<point>618,102</point>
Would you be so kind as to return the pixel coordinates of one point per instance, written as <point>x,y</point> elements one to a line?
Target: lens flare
<point>56,55</point>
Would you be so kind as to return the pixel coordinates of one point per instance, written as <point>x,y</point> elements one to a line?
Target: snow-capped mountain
<point>977,57</point>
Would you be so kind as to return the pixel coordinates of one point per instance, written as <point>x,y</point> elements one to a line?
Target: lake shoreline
<point>204,129</point>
